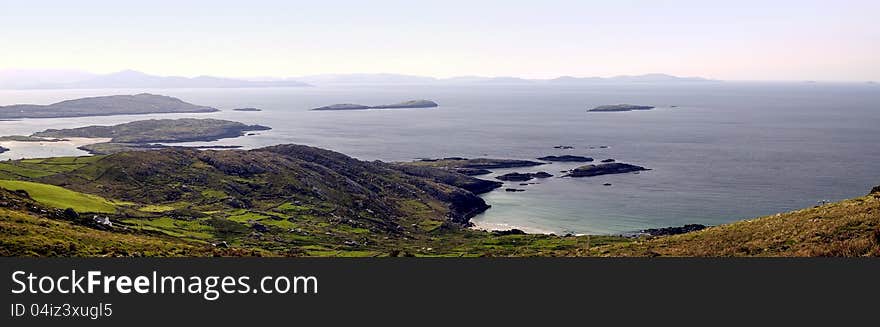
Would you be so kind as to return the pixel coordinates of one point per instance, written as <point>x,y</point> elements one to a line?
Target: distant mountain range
<point>43,79</point>
<point>68,79</point>
<point>386,79</point>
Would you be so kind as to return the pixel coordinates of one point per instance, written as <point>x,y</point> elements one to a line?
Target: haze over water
<point>728,151</point>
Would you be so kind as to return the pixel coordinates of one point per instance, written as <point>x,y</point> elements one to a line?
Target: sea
<point>718,152</point>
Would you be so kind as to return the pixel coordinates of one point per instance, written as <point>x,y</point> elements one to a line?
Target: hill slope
<point>847,229</point>
<point>294,200</point>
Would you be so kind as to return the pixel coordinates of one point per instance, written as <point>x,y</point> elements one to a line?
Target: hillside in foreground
<point>293,200</point>
<point>848,228</point>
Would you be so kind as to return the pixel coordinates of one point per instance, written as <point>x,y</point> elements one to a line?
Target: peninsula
<point>138,135</point>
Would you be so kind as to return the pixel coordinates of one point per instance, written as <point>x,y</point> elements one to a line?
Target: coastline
<point>69,146</point>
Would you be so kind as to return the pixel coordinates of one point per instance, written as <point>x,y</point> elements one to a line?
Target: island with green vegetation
<point>295,200</point>
<point>403,105</point>
<point>140,135</point>
<point>137,104</point>
<point>619,108</point>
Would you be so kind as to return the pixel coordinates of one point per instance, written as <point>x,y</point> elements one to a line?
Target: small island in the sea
<point>522,177</point>
<point>2,149</point>
<point>403,105</point>
<point>249,109</point>
<point>604,169</point>
<point>139,135</point>
<point>566,158</point>
<point>137,104</point>
<point>619,108</point>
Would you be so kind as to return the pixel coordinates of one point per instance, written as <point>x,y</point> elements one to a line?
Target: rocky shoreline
<point>665,231</point>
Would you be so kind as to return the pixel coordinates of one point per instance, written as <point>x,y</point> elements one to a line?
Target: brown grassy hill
<point>848,228</point>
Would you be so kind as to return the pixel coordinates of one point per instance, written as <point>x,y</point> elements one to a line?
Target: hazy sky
<point>743,39</point>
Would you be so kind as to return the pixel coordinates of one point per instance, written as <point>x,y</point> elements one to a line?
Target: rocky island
<point>139,135</point>
<point>403,105</point>
<point>566,158</point>
<point>247,109</point>
<point>522,177</point>
<point>604,169</point>
<point>143,103</point>
<point>2,149</point>
<point>619,107</point>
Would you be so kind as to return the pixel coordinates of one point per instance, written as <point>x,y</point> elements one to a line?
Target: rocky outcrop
<point>604,169</point>
<point>2,149</point>
<point>522,177</point>
<point>566,158</point>
<point>513,231</point>
<point>876,189</point>
<point>474,185</point>
<point>247,109</point>
<point>472,171</point>
<point>673,230</point>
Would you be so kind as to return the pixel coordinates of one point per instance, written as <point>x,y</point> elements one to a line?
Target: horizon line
<point>439,78</point>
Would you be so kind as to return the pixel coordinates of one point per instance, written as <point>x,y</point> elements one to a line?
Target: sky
<point>731,40</point>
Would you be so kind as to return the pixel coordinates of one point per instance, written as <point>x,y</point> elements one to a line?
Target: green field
<point>60,197</point>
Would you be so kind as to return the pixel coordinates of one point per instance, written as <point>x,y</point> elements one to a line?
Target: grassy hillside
<point>283,200</point>
<point>61,198</point>
<point>301,201</point>
<point>848,229</point>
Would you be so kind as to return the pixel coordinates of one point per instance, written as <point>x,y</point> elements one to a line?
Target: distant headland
<point>137,104</point>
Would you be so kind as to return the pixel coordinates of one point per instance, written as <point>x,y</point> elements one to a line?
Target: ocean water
<point>726,152</point>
